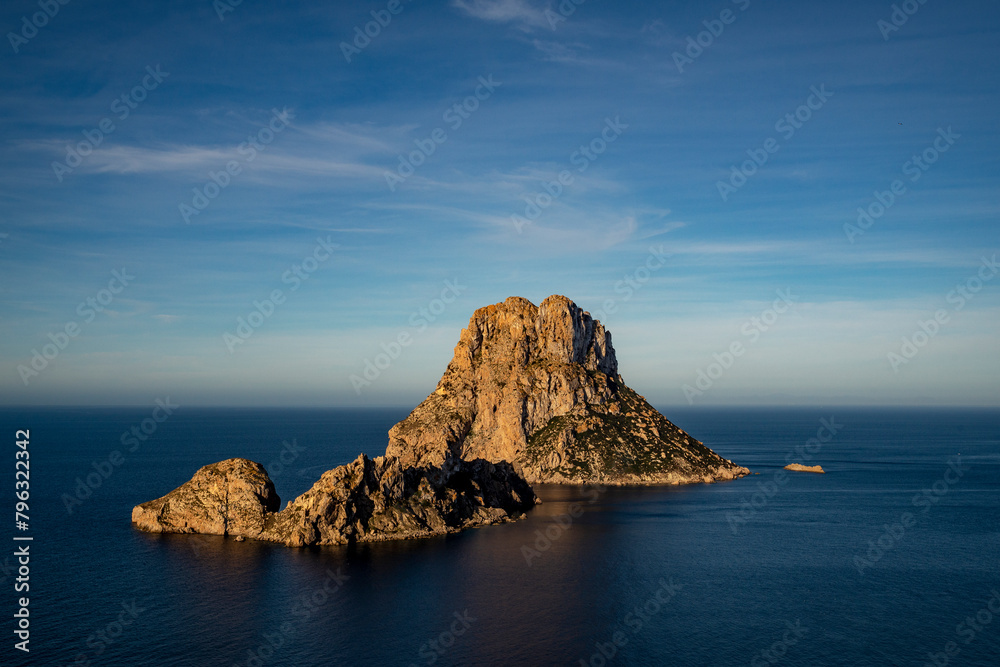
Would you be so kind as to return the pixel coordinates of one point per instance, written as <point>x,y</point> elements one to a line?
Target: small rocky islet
<point>799,467</point>
<point>532,395</point>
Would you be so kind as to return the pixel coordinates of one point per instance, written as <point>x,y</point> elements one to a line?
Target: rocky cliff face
<point>539,387</point>
<point>375,500</point>
<point>364,501</point>
<point>232,497</point>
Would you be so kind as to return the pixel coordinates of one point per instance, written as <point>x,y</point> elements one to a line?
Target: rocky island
<point>539,386</point>
<point>798,467</point>
<point>532,395</point>
<point>368,500</point>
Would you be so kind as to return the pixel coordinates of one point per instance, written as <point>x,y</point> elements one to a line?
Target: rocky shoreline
<point>367,500</point>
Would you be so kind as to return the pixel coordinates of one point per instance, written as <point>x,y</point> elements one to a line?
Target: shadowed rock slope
<point>539,386</point>
<point>364,501</point>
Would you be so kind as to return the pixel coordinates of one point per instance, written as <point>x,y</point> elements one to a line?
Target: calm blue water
<point>733,589</point>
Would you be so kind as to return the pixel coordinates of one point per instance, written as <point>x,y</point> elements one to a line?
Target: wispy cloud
<point>580,232</point>
<point>558,52</point>
<point>323,148</point>
<point>138,159</point>
<point>521,12</point>
<point>197,159</point>
<point>357,138</point>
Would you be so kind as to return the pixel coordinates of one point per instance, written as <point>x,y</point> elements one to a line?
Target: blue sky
<point>595,96</point>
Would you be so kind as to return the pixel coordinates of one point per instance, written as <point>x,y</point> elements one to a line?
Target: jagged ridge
<point>367,500</point>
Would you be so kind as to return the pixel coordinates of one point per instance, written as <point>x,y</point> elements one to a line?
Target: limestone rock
<point>372,500</point>
<point>232,497</point>
<point>798,467</point>
<point>539,386</point>
<point>364,501</point>
<point>533,394</point>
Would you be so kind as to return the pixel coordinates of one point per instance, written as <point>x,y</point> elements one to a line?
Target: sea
<point>891,557</point>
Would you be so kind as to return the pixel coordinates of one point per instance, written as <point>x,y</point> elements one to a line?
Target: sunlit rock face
<point>232,497</point>
<point>367,500</point>
<point>539,386</point>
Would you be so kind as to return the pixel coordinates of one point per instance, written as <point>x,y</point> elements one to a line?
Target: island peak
<point>539,386</point>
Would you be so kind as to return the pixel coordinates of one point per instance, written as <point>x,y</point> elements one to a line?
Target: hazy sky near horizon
<point>373,180</point>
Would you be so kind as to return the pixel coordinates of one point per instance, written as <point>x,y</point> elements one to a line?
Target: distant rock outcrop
<point>364,501</point>
<point>539,386</point>
<point>798,467</point>
<point>232,497</point>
